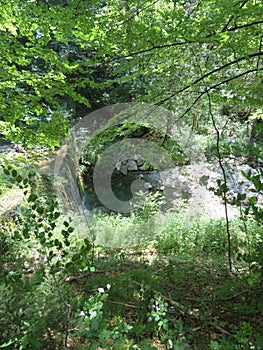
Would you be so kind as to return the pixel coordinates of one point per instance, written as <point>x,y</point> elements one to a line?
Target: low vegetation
<point>66,287</point>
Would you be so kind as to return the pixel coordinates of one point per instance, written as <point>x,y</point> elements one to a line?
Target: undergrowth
<point>167,287</point>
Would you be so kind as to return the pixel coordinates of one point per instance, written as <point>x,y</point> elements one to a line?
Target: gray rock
<point>147,185</point>
<point>124,169</point>
<point>144,166</point>
<point>131,165</point>
<point>118,166</point>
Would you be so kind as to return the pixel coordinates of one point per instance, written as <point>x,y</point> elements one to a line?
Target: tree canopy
<point>163,52</point>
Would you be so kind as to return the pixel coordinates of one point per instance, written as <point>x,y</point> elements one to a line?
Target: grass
<point>208,301</point>
<point>171,287</point>
<point>175,293</point>
<point>207,305</point>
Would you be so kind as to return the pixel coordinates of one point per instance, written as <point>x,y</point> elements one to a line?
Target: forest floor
<point>205,302</point>
<point>198,301</point>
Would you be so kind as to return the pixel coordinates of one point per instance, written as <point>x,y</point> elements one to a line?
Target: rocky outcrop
<point>141,170</point>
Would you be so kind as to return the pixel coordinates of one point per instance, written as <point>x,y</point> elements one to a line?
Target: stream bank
<point>191,183</point>
<point>181,183</point>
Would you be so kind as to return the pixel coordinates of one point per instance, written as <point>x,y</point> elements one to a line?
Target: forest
<point>131,174</point>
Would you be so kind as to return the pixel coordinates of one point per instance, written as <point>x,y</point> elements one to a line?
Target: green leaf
<point>43,240</point>
<point>65,233</point>
<point>76,257</point>
<point>16,234</point>
<point>58,244</point>
<point>5,345</point>
<point>253,200</point>
<point>7,172</point>
<point>94,324</point>
<point>40,210</point>
<point>26,233</point>
<point>25,181</point>
<point>257,182</point>
<point>19,178</point>
<point>14,173</point>
<point>32,198</point>
<point>31,174</point>
<point>241,197</point>
<point>56,215</point>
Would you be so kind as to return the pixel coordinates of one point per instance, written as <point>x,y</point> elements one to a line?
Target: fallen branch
<point>169,300</point>
<point>123,304</point>
<point>221,329</point>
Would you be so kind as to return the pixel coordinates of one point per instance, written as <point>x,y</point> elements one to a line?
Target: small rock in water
<point>118,166</point>
<point>124,169</point>
<point>145,166</point>
<point>147,185</point>
<point>132,165</point>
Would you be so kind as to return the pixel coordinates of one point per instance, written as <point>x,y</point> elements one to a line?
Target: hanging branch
<point>212,87</point>
<point>184,42</point>
<point>224,187</point>
<point>213,72</point>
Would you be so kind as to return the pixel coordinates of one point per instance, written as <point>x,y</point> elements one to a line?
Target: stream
<point>182,183</point>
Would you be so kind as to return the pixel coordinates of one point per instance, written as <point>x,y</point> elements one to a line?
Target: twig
<point>238,294</point>
<point>225,181</point>
<point>68,306</point>
<point>138,12</point>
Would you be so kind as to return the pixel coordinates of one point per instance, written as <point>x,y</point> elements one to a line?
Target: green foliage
<point>35,72</point>
<point>253,209</point>
<point>244,339</point>
<point>127,130</point>
<point>35,248</point>
<point>97,331</point>
<point>117,231</point>
<point>158,314</point>
<point>148,204</point>
<point>5,183</point>
<point>207,237</point>
<point>257,182</point>
<point>71,50</point>
<point>249,206</point>
<point>81,55</point>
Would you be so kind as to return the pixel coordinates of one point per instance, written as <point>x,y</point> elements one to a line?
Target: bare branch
<point>260,48</point>
<point>243,26</point>
<point>225,181</point>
